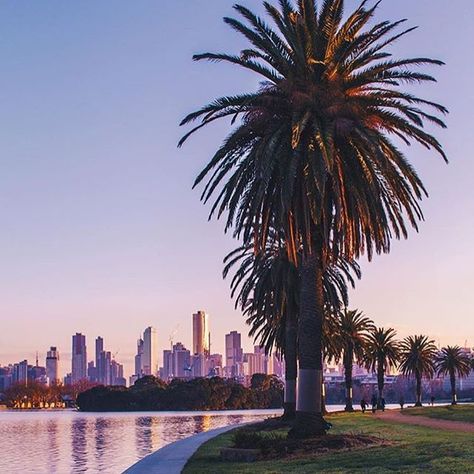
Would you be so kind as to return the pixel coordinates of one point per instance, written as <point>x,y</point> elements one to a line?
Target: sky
<point>101,232</point>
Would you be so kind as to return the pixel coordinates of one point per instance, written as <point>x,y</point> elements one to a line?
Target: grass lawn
<point>415,449</point>
<point>454,413</point>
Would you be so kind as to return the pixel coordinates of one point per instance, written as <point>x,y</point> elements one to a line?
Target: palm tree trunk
<point>309,420</point>
<point>348,358</point>
<point>452,377</point>
<point>418,390</point>
<point>291,369</point>
<point>380,383</point>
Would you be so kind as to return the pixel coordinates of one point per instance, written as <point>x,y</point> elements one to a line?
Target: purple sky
<point>100,230</point>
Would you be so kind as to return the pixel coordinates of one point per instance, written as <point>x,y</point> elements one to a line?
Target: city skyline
<point>102,232</point>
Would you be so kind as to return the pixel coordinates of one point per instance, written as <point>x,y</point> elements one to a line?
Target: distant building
<point>181,361</point>
<point>233,353</point>
<point>215,365</point>
<point>5,377</point>
<point>138,359</point>
<point>149,357</point>
<point>79,358</point>
<point>166,372</point>
<point>100,375</point>
<point>201,335</point>
<point>20,372</point>
<point>52,366</point>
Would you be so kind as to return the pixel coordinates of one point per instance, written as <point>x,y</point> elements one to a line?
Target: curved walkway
<point>399,417</point>
<point>171,459</point>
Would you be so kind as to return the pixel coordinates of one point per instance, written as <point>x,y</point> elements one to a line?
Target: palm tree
<point>352,331</point>
<point>382,352</point>
<point>265,286</point>
<point>453,361</point>
<point>310,153</point>
<point>417,358</point>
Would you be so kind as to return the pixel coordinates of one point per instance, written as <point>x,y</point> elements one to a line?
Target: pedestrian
<point>402,402</point>
<point>432,400</point>
<point>382,404</point>
<point>374,403</point>
<point>363,405</point>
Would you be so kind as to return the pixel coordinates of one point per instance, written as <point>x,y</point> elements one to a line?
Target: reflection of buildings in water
<point>102,437</point>
<point>53,445</point>
<point>147,438</point>
<point>79,434</point>
<point>202,423</point>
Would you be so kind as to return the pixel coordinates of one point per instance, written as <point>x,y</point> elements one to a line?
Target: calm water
<point>71,442</point>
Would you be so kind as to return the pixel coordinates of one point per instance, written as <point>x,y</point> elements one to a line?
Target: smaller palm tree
<point>417,358</point>
<point>453,361</point>
<point>352,330</point>
<point>382,352</point>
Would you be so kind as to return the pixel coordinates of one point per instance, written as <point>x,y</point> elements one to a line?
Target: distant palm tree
<point>382,352</point>
<point>453,361</point>
<point>417,358</point>
<point>311,153</point>
<point>352,332</point>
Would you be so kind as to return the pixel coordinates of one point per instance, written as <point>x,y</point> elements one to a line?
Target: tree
<point>417,358</point>
<point>352,331</point>
<point>266,287</point>
<point>382,352</point>
<point>310,154</point>
<point>453,361</point>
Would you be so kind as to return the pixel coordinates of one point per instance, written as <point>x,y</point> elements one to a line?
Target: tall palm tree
<point>453,361</point>
<point>417,358</point>
<point>265,286</point>
<point>352,332</point>
<point>382,352</point>
<point>310,153</point>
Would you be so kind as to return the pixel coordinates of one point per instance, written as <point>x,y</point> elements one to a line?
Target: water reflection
<point>79,445</point>
<point>52,444</point>
<point>66,441</point>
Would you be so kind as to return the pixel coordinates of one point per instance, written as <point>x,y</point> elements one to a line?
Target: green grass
<point>453,413</point>
<point>414,450</point>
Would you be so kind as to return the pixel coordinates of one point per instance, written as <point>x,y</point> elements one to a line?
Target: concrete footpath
<point>172,458</point>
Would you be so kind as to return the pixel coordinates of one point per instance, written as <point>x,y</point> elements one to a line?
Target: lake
<point>69,441</point>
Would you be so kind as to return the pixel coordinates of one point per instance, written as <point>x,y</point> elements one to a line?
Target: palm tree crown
<point>382,350</point>
<point>453,360</point>
<point>311,149</point>
<point>417,356</point>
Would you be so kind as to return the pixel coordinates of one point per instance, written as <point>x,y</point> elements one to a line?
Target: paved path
<point>171,459</point>
<point>399,417</point>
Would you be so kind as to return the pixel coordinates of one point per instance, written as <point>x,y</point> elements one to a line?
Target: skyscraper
<point>138,359</point>
<point>201,333</point>
<point>79,357</point>
<point>99,348</point>
<point>149,358</point>
<point>233,353</point>
<point>181,361</point>
<point>52,366</point>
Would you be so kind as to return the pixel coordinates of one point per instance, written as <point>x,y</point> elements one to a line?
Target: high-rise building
<point>233,353</point>
<point>20,372</point>
<point>201,335</point>
<point>138,359</point>
<point>52,366</point>
<point>167,372</point>
<point>99,369</point>
<point>79,358</point>
<point>149,357</point>
<point>181,361</point>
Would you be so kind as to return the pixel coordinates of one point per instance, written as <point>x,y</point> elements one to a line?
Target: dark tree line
<point>151,393</point>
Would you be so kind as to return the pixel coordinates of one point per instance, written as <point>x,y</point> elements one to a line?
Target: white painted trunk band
<point>309,390</point>
<point>290,391</point>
